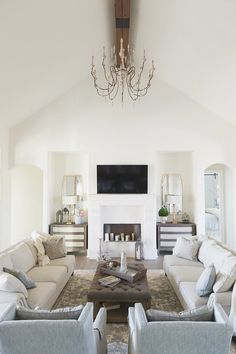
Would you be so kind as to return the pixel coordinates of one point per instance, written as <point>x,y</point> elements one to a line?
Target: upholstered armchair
<point>82,336</point>
<point>178,337</point>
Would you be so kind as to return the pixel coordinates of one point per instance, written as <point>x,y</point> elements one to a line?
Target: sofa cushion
<point>68,262</point>
<point>66,313</point>
<point>28,283</point>
<point>41,295</point>
<point>202,313</point>
<point>181,274</point>
<point>54,274</point>
<point>206,281</point>
<point>55,247</point>
<point>213,253</point>
<point>189,294</point>
<point>203,254</point>
<point>22,258</point>
<point>171,260</point>
<point>10,283</point>
<point>5,261</point>
<point>186,248</point>
<point>226,276</point>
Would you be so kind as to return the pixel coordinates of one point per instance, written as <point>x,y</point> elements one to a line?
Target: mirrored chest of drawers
<point>75,235</point>
<point>168,233</point>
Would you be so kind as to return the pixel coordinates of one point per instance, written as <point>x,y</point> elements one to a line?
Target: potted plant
<point>163,213</point>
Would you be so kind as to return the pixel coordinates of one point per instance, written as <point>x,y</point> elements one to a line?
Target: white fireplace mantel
<point>122,208</point>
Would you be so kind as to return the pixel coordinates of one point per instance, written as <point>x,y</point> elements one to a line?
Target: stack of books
<point>110,281</point>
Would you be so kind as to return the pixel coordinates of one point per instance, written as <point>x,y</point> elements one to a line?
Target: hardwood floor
<point>82,262</point>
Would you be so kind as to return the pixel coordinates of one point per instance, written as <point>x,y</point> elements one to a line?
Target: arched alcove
<point>219,206</point>
<point>26,201</point>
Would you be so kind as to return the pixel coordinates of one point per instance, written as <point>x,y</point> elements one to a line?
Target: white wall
<point>4,189</point>
<point>60,164</point>
<point>164,121</point>
<point>26,202</point>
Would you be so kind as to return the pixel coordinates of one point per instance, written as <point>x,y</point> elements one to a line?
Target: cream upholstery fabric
<point>212,253</point>
<point>33,249</point>
<point>227,275</point>
<point>46,273</point>
<point>188,291</point>
<point>68,262</point>
<point>41,295</point>
<point>171,260</point>
<point>5,261</point>
<point>9,283</point>
<point>22,258</point>
<point>180,273</point>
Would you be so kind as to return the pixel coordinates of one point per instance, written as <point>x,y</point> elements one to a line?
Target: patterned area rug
<point>163,297</point>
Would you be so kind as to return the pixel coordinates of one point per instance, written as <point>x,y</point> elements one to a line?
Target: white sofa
<point>50,279</point>
<point>183,275</point>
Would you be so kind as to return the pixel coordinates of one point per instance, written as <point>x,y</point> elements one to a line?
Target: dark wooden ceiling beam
<point>122,14</point>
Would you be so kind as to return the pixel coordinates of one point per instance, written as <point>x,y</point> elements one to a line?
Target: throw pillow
<point>202,313</point>
<point>227,275</point>
<point>186,248</point>
<point>19,274</point>
<point>206,281</point>
<point>158,315</point>
<point>55,247</point>
<point>38,238</point>
<point>66,313</point>
<point>11,284</point>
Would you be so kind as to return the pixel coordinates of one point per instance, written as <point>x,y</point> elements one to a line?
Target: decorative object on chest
<point>75,235</point>
<point>168,233</point>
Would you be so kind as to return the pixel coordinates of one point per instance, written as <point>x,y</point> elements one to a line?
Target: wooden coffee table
<point>125,294</point>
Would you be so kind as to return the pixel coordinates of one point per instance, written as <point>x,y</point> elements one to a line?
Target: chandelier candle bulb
<point>124,75</point>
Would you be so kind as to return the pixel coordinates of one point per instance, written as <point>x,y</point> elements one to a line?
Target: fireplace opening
<point>121,232</point>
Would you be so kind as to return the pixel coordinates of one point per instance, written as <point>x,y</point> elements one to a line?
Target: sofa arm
<point>11,297</point>
<point>221,298</point>
<point>99,329</point>
<point>7,311</point>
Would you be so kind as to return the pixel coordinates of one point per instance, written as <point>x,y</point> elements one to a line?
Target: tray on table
<point>135,271</point>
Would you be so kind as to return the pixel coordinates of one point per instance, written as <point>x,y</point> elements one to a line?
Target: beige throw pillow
<point>226,276</point>
<point>38,238</point>
<point>186,248</point>
<point>55,247</point>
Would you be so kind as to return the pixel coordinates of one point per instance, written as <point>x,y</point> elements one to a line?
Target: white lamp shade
<point>69,199</point>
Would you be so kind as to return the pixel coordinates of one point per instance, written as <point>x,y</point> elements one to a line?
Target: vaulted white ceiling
<point>46,48</point>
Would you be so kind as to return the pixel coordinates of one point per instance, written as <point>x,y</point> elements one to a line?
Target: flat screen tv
<point>122,179</point>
